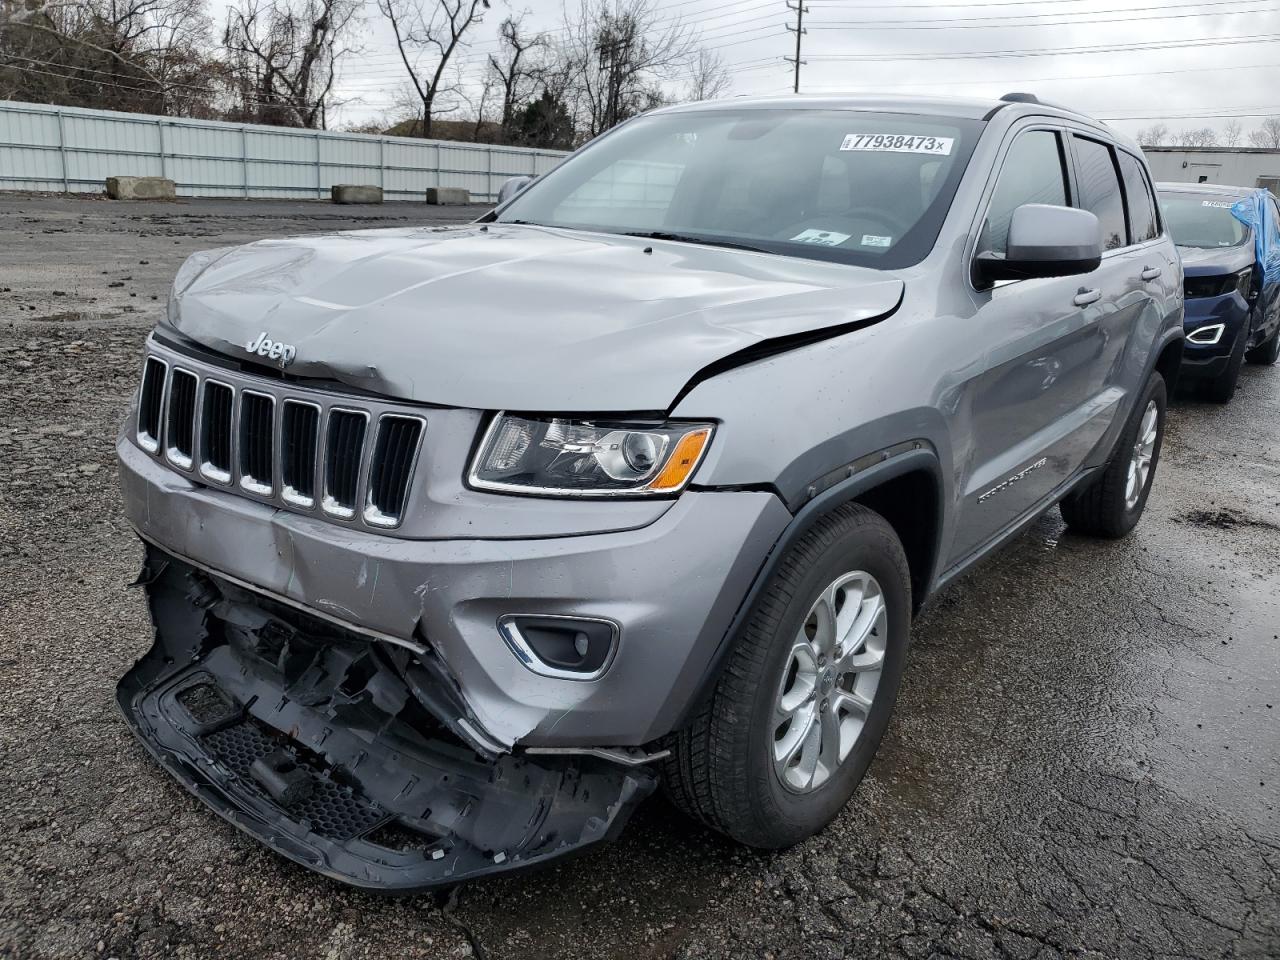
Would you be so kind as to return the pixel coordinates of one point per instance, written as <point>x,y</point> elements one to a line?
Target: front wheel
<point>1112,504</point>
<point>806,693</point>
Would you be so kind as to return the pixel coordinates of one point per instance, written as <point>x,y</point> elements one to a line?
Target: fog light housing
<point>562,647</point>
<point>1208,335</point>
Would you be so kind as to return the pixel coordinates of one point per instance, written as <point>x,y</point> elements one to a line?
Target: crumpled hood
<point>512,317</point>
<point>1206,261</point>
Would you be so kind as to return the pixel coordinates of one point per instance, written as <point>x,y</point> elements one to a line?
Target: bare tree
<point>710,77</point>
<point>428,33</point>
<point>517,67</point>
<point>144,55</point>
<point>1154,135</point>
<point>1200,137</point>
<point>284,56</point>
<point>621,50</point>
<point>1268,135</point>
<point>1232,133</point>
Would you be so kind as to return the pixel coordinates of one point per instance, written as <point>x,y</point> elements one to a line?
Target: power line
<point>1050,51</point>
<point>944,6</point>
<point>391,65</point>
<point>938,25</point>
<point>1225,114</point>
<point>1086,76</point>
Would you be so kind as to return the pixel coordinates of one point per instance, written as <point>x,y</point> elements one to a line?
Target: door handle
<point>1084,297</point>
<point>1150,273</point>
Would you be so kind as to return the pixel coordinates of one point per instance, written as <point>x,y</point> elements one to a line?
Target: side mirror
<point>1044,241</point>
<point>512,187</point>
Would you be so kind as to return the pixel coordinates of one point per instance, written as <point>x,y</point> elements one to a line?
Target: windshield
<point>1195,220</point>
<point>854,187</point>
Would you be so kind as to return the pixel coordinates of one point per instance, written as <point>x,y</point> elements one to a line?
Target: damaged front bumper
<point>345,753</point>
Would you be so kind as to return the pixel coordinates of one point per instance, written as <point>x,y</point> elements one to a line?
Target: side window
<point>1100,190</point>
<point>1032,173</point>
<point>1142,212</point>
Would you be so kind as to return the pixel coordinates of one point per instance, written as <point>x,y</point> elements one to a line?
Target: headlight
<point>588,458</point>
<point>1196,288</point>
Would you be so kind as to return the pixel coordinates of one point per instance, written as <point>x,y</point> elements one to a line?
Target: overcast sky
<point>1202,61</point>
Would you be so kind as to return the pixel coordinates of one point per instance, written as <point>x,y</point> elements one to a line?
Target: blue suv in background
<point>1231,313</point>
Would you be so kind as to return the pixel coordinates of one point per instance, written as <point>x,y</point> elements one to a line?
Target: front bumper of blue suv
<point>1217,312</point>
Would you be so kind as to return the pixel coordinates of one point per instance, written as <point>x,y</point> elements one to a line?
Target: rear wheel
<point>1267,352</point>
<point>1222,388</point>
<point>1112,505</point>
<point>806,693</point>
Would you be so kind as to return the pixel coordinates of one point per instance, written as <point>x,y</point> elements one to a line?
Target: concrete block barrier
<point>141,188</point>
<point>355,193</point>
<point>448,196</point>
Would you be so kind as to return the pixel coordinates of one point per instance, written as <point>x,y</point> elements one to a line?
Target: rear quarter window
<point>1143,223</point>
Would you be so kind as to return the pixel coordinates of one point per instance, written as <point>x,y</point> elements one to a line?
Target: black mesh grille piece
<point>215,429</point>
<point>182,416</point>
<point>151,400</point>
<point>333,810</point>
<point>391,465</point>
<point>299,436</point>
<point>256,441</point>
<point>342,459</point>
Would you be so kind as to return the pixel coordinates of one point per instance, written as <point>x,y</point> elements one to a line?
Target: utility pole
<point>800,31</point>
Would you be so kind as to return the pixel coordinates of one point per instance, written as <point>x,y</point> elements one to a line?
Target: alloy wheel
<point>1144,448</point>
<point>829,683</point>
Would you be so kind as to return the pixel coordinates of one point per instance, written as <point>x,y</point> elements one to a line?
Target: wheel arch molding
<point>903,483</point>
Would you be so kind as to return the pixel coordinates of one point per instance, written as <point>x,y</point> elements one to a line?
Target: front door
<point>1045,396</point>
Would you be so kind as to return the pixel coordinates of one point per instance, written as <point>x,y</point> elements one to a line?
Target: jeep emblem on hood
<point>264,346</point>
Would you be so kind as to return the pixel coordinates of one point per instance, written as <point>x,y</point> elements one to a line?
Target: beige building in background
<point>1236,166</point>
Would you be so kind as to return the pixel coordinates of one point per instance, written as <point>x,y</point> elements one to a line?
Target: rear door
<point>1049,389</point>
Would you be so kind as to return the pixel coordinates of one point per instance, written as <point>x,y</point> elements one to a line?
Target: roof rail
<point>1017,97</point>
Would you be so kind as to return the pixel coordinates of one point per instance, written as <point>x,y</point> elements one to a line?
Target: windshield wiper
<point>690,238</point>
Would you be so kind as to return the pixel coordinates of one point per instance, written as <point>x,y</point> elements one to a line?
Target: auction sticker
<point>898,143</point>
<point>823,238</point>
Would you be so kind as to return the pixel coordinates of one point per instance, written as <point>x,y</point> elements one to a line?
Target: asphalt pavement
<point>1085,760</point>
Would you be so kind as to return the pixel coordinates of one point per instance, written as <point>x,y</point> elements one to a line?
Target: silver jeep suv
<point>459,541</point>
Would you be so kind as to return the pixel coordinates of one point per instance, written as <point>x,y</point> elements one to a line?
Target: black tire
<point>1267,352</point>
<point>721,770</point>
<point>1222,388</point>
<point>1100,510</point>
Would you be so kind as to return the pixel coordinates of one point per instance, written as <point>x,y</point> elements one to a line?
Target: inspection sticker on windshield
<point>898,143</point>
<point>823,238</point>
<point>871,240</point>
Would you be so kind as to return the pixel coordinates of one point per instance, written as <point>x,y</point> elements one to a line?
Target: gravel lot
<point>1085,761</point>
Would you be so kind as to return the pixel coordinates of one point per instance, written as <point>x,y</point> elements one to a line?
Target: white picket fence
<point>73,150</point>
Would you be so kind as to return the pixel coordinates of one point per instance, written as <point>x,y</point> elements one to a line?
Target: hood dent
<point>519,318</point>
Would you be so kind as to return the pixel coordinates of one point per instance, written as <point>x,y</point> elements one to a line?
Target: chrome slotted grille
<point>215,431</point>
<point>180,430</point>
<point>393,456</point>
<point>257,442</point>
<point>302,449</point>
<point>151,403</point>
<point>299,437</point>
<point>342,463</point>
